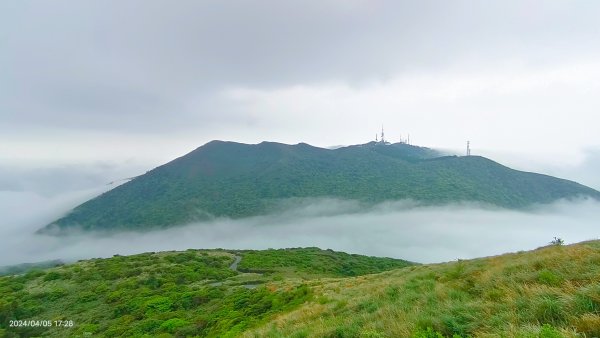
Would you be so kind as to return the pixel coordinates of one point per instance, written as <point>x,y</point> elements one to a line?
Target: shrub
<point>158,304</point>
<point>87,296</point>
<point>173,324</point>
<point>52,275</point>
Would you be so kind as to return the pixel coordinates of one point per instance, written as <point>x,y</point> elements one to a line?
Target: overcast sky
<point>136,83</point>
<point>93,92</point>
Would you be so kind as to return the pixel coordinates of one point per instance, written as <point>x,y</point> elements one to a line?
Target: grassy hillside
<point>227,179</point>
<point>171,294</point>
<point>549,292</point>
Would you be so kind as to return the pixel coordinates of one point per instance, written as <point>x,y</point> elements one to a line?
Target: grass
<point>169,294</point>
<point>549,292</point>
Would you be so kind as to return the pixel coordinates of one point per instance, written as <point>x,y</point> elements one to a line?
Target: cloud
<point>159,69</point>
<point>508,108</point>
<point>400,229</point>
<point>579,166</point>
<point>58,180</point>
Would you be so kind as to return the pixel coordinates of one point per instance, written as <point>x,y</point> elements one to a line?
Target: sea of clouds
<point>402,229</point>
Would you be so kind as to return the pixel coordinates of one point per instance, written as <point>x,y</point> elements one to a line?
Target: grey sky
<point>95,91</point>
<point>146,81</point>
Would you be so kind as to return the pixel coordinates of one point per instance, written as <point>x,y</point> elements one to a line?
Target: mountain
<point>228,179</point>
<point>549,292</point>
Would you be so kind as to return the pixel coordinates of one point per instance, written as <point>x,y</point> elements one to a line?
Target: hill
<point>208,293</point>
<point>549,292</point>
<point>227,179</point>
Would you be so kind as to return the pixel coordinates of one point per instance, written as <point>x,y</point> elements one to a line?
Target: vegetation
<point>24,267</point>
<point>549,292</point>
<point>180,294</point>
<point>314,260</point>
<point>226,179</point>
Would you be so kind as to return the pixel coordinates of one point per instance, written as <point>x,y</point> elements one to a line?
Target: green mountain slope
<point>195,293</point>
<point>548,292</point>
<point>227,179</point>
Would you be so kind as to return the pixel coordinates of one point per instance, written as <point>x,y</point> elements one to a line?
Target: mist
<point>405,229</point>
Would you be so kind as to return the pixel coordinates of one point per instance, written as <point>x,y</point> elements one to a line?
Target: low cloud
<point>400,229</point>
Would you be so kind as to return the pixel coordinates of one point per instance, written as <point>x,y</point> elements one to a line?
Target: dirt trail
<point>235,263</point>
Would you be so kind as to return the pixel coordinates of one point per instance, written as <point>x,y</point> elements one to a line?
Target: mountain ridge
<point>236,180</point>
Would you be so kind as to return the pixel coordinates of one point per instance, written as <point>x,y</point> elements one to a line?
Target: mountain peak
<point>229,179</point>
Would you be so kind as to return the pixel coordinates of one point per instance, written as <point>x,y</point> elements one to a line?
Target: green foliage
<point>28,267</point>
<point>226,179</point>
<point>346,331</point>
<point>372,334</point>
<point>171,293</point>
<point>547,331</point>
<point>52,275</point>
<point>158,304</point>
<point>428,333</point>
<point>173,324</point>
<point>369,306</point>
<point>317,261</point>
<point>549,292</point>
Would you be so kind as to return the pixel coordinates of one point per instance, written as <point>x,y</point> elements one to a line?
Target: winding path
<point>235,263</point>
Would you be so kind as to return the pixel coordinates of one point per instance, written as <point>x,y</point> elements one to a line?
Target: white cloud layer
<point>400,230</point>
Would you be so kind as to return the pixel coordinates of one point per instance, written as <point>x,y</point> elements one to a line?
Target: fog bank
<point>400,229</point>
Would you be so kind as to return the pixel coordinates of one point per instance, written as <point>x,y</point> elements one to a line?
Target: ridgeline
<point>228,179</point>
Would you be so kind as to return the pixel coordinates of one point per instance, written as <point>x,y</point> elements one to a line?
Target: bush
<point>173,324</point>
<point>52,275</point>
<point>158,304</point>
